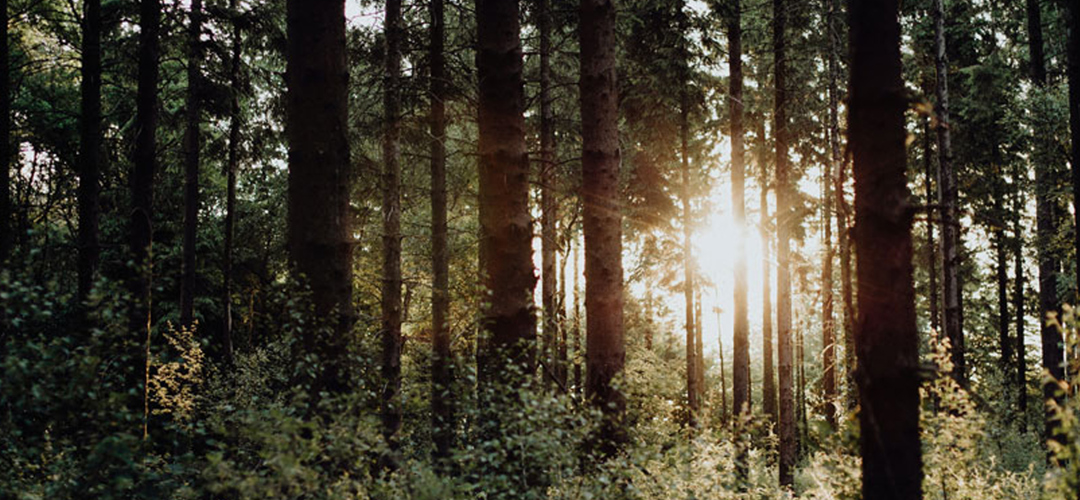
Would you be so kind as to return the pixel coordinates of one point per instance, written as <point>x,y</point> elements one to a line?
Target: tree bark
<point>768,384</point>
<point>192,143</point>
<point>142,189</point>
<point>442,368</point>
<point>232,166</point>
<point>931,247</point>
<point>89,149</point>
<point>505,222</point>
<point>577,316</point>
<point>319,222</point>
<point>1072,16</point>
<point>5,138</point>
<point>783,250</point>
<point>692,390</point>
<point>548,203</point>
<point>1018,301</point>
<point>950,224</point>
<point>828,330</point>
<point>740,384</point>
<point>887,338</point>
<point>391,239</point>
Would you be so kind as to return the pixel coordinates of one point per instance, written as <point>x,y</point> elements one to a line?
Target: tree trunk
<point>950,224</point>
<point>740,384</point>
<point>577,316</point>
<point>692,389</point>
<point>1072,16</point>
<point>931,248</point>
<point>1018,302</point>
<point>887,338</point>
<point>232,166</point>
<point>1001,269</point>
<point>605,352</point>
<point>89,149</point>
<point>768,384</point>
<point>723,376</point>
<point>142,187</point>
<point>319,222</point>
<point>843,230</point>
<point>5,138</point>
<point>192,143</point>
<point>442,368</point>
<point>505,222</point>
<point>783,250</point>
<point>391,239</point>
<point>699,347</point>
<point>548,203</point>
<point>828,329</point>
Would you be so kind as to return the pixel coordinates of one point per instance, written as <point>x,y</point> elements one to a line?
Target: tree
<point>319,237</point>
<point>828,325</point>
<point>1072,21</point>
<point>605,353</point>
<point>192,143</point>
<point>90,148</point>
<point>740,386</point>
<point>231,166</point>
<point>391,212</point>
<point>505,223</point>
<point>887,339</point>
<point>548,203</point>
<point>5,137</point>
<point>693,390</point>
<point>768,384</point>
<point>950,237</point>
<point>784,216</point>
<point>442,373</point>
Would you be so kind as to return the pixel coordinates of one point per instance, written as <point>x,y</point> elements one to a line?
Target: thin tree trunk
<point>1018,302</point>
<point>5,138</point>
<point>391,239</point>
<point>605,352</point>
<point>142,188</point>
<point>931,247</point>
<point>950,224</point>
<point>783,250</point>
<point>442,368</point>
<point>577,316</point>
<point>319,221</point>
<point>723,375</point>
<point>740,384</point>
<point>505,222</point>
<point>887,339</point>
<point>828,329</point>
<point>843,230</point>
<point>232,167</point>
<point>699,347</point>
<point>1072,17</point>
<point>548,203</point>
<point>768,384</point>
<point>192,143</point>
<point>1001,269</point>
<point>90,148</point>
<point>692,389</point>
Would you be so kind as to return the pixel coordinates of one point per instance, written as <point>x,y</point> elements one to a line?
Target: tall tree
<point>232,165</point>
<point>442,372</point>
<point>887,339</point>
<point>5,136</point>
<point>693,391</point>
<point>505,222</point>
<point>391,238</point>
<point>549,243</point>
<point>784,213</point>
<point>192,144</point>
<point>89,147</point>
<point>1072,21</point>
<point>319,221</point>
<point>1046,220</point>
<point>828,325</point>
<point>950,225</point>
<point>768,384</point>
<point>142,187</point>
<point>740,385</point>
<point>931,250</point>
<point>605,353</point>
<point>1018,300</point>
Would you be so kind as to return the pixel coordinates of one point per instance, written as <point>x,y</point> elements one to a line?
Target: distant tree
<point>192,144</point>
<point>549,207</point>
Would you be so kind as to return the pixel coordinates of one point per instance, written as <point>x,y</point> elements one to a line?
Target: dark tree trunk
<point>391,210</point>
<point>887,339</point>
<point>605,352</point>
<point>577,317</point>
<point>768,384</point>
<point>192,143</point>
<point>548,202</point>
<point>1001,269</point>
<point>828,330</point>
<point>843,230</point>
<point>442,368</point>
<point>142,186</point>
<point>90,148</point>
<point>740,384</point>
<point>931,247</point>
<point>692,390</point>
<point>5,138</point>
<point>1072,16</point>
<point>232,166</point>
<point>319,234</point>
<point>505,222</point>
<point>783,250</point>
<point>950,223</point>
<point>1046,221</point>
<point>1018,302</point>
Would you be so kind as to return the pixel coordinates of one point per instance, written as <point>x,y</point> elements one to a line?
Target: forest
<point>540,249</point>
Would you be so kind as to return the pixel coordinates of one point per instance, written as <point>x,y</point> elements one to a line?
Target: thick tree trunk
<point>783,250</point>
<point>192,143</point>
<point>548,203</point>
<point>887,337</point>
<point>442,368</point>
<point>231,167</point>
<point>319,234</point>
<point>5,138</point>
<point>142,187</point>
<point>505,222</point>
<point>740,384</point>
<point>89,148</point>
<point>391,238</point>
<point>950,224</point>
<point>768,384</point>
<point>605,352</point>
